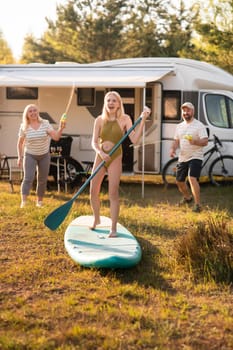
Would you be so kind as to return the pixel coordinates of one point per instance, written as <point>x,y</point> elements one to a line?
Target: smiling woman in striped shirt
<point>33,149</point>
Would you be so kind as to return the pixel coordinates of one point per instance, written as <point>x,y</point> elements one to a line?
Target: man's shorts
<point>191,168</point>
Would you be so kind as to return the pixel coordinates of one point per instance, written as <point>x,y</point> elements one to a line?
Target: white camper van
<point>161,83</point>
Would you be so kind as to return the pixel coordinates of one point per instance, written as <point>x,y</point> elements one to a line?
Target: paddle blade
<point>54,219</point>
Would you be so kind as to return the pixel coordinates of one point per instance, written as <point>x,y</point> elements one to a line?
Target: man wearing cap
<point>190,137</point>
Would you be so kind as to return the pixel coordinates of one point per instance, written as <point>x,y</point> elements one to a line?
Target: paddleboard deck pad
<point>93,248</point>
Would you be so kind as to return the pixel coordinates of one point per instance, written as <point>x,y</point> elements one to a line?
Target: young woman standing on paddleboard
<point>109,128</point>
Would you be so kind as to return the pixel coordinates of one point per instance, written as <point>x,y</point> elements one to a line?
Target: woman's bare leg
<point>114,173</point>
<point>95,187</point>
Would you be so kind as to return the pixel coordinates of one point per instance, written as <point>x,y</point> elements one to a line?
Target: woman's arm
<point>20,148</point>
<point>95,139</point>
<point>135,135</point>
<point>95,136</point>
<point>56,134</point>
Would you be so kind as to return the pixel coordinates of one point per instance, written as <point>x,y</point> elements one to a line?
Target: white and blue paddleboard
<point>93,248</point>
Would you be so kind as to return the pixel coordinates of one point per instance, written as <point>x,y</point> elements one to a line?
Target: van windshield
<point>219,109</point>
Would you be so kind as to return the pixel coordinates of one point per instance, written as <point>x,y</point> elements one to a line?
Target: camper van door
<point>152,139</point>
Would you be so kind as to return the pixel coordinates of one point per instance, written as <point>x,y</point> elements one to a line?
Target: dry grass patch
<point>48,302</point>
<point>207,250</point>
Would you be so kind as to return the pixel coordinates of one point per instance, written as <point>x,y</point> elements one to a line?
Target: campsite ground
<point>49,302</point>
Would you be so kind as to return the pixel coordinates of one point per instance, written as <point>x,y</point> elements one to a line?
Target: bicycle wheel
<point>74,171</point>
<point>169,172</point>
<point>221,171</point>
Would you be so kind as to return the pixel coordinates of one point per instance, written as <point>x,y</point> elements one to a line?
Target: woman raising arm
<point>109,128</point>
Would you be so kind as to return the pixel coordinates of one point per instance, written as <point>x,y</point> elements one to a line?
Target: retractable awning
<point>80,75</point>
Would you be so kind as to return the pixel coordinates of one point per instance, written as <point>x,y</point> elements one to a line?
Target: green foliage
<point>207,250</point>
<point>100,36</point>
<point>213,38</point>
<point>89,31</point>
<point>216,45</point>
<point>177,37</point>
<point>6,56</point>
<point>58,43</point>
<point>83,32</point>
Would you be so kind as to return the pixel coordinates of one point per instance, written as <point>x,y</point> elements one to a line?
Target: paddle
<point>64,115</point>
<point>56,217</point>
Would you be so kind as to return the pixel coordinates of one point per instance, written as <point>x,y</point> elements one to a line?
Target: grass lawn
<point>166,302</point>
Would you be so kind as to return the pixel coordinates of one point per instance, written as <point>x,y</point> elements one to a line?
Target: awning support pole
<point>143,146</point>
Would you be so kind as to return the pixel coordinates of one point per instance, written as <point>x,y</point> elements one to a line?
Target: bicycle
<point>75,173</point>
<point>9,170</point>
<point>220,170</point>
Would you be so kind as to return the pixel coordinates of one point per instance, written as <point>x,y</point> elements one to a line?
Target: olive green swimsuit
<point>112,132</point>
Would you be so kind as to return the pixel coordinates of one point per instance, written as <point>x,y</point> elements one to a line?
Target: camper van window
<point>149,97</point>
<point>171,105</point>
<point>231,112</point>
<point>124,92</point>
<point>21,93</point>
<point>216,109</point>
<point>86,96</point>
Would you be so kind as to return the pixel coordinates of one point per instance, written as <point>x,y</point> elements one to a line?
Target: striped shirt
<point>187,151</point>
<point>37,142</point>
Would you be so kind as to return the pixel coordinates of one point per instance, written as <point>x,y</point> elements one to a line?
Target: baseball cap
<point>188,105</point>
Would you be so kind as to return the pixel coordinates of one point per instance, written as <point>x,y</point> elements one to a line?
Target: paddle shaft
<point>70,99</point>
<point>64,115</point>
<point>115,147</point>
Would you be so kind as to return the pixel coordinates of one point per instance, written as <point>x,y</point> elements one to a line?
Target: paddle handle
<point>70,99</point>
<point>64,115</point>
<point>115,147</point>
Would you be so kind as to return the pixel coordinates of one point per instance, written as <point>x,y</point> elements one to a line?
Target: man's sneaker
<point>196,208</point>
<point>185,200</point>
<point>39,204</point>
<point>23,204</point>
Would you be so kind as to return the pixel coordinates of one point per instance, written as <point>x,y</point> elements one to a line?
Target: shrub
<point>207,251</point>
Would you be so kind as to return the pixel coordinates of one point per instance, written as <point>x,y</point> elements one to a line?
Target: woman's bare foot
<point>112,234</point>
<point>95,223</point>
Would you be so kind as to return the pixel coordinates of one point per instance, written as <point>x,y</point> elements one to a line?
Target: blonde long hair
<point>120,111</point>
<point>25,120</point>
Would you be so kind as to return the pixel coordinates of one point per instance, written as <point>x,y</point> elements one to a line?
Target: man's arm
<point>175,145</point>
<point>199,142</point>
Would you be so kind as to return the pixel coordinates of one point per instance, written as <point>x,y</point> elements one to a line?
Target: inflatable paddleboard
<point>93,248</point>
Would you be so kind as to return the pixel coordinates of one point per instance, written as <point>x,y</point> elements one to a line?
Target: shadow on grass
<point>148,273</point>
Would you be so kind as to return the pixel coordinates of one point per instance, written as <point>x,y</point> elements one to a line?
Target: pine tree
<point>6,56</point>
